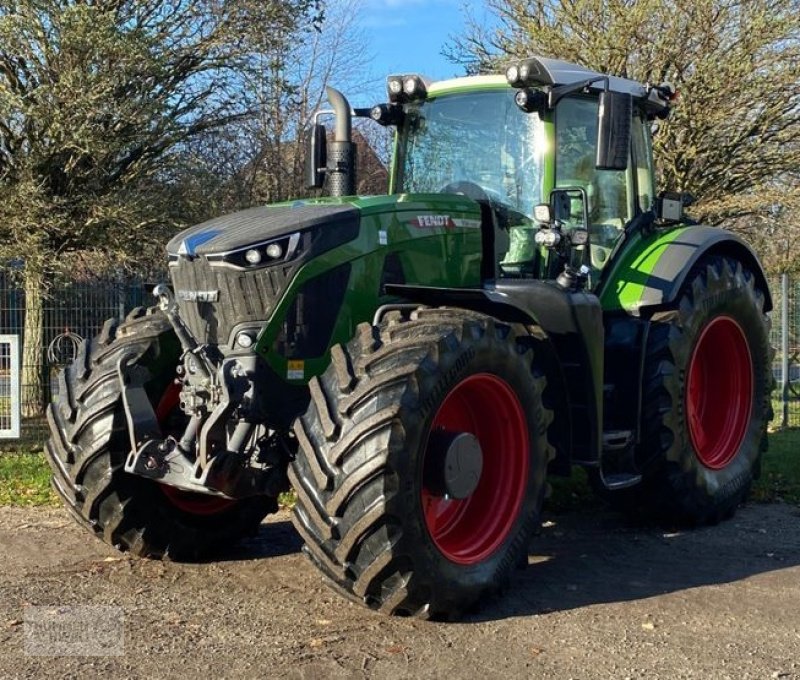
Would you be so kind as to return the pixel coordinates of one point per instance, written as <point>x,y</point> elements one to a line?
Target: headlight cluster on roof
<point>406,88</point>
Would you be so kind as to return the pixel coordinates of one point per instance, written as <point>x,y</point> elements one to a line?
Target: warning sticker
<point>296,370</point>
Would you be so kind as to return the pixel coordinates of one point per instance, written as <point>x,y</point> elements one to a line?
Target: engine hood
<point>256,225</point>
<point>339,219</point>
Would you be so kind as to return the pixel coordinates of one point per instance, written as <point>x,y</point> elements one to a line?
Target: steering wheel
<point>471,190</point>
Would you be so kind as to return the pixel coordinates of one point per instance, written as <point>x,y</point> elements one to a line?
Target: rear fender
<point>651,272</point>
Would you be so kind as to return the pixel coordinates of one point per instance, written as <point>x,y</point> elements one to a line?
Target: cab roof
<point>551,72</point>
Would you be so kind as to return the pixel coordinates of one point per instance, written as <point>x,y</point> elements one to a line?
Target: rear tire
<point>706,399</point>
<point>370,517</point>
<point>89,444</point>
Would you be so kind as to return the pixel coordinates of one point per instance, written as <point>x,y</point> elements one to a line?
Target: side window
<point>609,192</point>
<point>642,161</point>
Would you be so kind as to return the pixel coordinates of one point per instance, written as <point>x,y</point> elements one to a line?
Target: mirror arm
<point>558,93</point>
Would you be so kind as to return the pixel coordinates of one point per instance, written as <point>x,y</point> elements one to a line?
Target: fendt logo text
<point>198,295</point>
<point>433,221</point>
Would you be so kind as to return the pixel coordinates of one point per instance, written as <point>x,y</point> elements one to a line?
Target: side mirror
<point>316,156</point>
<point>614,131</point>
<point>570,209</point>
<point>561,202</point>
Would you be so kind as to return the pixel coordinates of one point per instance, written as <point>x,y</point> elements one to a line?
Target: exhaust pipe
<point>341,151</point>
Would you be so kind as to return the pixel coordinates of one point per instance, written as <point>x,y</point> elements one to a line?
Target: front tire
<point>706,399</point>
<point>373,516</point>
<point>89,444</point>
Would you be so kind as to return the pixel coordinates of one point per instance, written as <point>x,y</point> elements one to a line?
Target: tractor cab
<point>548,133</point>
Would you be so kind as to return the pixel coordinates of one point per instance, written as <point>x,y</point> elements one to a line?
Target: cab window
<point>642,162</point>
<point>610,193</point>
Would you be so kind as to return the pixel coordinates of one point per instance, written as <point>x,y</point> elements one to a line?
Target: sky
<point>407,36</point>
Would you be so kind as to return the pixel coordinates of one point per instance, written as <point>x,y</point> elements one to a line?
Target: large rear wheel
<point>706,398</point>
<point>420,473</point>
<point>89,444</point>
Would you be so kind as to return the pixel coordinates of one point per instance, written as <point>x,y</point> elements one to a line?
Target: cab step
<point>617,440</point>
<point>617,463</point>
<point>619,481</point>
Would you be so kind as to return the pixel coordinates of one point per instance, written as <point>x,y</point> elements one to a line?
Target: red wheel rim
<point>468,531</point>
<point>192,503</point>
<point>719,393</point>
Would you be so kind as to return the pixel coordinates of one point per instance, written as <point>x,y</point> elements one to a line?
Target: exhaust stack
<point>341,151</point>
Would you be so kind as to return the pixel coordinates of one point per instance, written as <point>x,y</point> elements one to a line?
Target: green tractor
<point>414,365</point>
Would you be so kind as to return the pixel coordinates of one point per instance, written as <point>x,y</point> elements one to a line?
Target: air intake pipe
<point>341,169</point>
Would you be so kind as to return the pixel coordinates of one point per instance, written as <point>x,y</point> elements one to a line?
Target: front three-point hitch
<point>206,436</point>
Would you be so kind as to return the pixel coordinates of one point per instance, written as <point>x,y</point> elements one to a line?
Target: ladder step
<point>615,440</point>
<point>618,464</point>
<point>621,481</point>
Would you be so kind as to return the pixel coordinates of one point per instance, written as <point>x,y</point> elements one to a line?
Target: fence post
<point>10,387</point>
<point>120,286</point>
<point>785,349</point>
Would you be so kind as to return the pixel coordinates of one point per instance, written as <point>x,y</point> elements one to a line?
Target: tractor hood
<point>325,222</point>
<point>256,226</point>
<point>231,272</point>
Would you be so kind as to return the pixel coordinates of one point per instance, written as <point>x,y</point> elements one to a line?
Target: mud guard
<point>651,274</point>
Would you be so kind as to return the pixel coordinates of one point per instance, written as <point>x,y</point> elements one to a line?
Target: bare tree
<point>285,87</point>
<point>96,98</point>
<point>733,137</point>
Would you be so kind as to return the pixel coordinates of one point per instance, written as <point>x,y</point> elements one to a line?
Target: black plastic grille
<point>310,320</point>
<point>241,296</point>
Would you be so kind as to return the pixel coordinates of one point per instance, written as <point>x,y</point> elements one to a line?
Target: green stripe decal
<point>629,279</point>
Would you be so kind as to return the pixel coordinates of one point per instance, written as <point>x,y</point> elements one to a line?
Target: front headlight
<point>275,251</point>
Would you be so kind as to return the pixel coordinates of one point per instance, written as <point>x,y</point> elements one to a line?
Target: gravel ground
<point>599,599</point>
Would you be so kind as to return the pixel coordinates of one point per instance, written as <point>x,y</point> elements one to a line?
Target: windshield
<point>482,138</point>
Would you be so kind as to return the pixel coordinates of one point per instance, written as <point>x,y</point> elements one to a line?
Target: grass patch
<point>568,494</point>
<point>780,470</point>
<point>25,480</point>
<point>287,499</point>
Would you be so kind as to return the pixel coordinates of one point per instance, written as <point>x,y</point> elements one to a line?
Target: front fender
<point>569,343</point>
<point>651,271</point>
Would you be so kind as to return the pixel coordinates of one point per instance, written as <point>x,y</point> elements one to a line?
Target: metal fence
<point>786,341</point>
<point>78,309</point>
<point>72,310</point>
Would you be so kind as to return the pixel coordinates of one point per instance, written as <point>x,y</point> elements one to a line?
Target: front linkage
<point>223,449</point>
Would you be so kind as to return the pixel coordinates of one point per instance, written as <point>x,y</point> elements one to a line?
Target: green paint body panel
<point>446,255</point>
<point>630,270</point>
